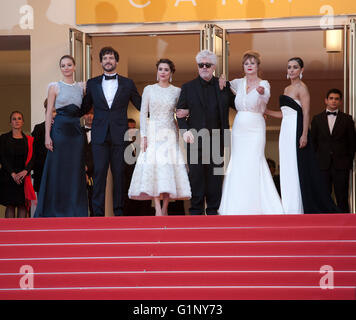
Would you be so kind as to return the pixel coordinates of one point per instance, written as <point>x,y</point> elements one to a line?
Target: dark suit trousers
<point>206,186</point>
<point>340,180</point>
<point>103,155</point>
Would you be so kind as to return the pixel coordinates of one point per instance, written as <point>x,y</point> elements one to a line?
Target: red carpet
<point>179,257</point>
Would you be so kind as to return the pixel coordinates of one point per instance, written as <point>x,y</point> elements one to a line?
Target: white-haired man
<point>208,108</point>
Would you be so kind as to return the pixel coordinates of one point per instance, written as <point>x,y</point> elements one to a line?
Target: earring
<point>288,76</point>
<point>157,77</point>
<point>170,78</point>
<point>301,75</point>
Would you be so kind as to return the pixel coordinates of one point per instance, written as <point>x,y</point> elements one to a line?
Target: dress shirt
<point>88,133</point>
<point>109,88</point>
<point>331,120</point>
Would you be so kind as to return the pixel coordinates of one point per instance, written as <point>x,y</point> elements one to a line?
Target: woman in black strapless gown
<point>303,189</point>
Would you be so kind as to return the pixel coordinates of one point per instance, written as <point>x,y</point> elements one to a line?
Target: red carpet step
<point>179,258</point>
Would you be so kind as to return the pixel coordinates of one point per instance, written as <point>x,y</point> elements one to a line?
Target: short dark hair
<point>334,90</point>
<point>14,112</point>
<point>299,60</point>
<point>108,50</point>
<point>130,120</point>
<point>167,61</point>
<point>67,56</point>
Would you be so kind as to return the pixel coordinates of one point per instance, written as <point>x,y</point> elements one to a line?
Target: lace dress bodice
<point>252,101</point>
<point>160,103</point>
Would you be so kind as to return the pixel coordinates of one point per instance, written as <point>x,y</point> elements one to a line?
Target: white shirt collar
<point>110,75</point>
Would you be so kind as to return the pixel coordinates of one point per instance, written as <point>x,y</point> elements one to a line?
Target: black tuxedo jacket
<point>337,148</point>
<point>112,120</point>
<point>191,97</point>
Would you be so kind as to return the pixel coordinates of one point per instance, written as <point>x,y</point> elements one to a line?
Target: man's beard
<point>112,68</point>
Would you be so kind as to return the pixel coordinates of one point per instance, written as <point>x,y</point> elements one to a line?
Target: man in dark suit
<point>39,150</point>
<point>205,127</point>
<point>276,179</point>
<point>130,206</point>
<point>333,136</point>
<point>110,94</point>
<point>134,207</point>
<point>89,162</point>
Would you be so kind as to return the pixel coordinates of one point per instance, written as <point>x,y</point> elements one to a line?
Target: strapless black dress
<point>314,193</point>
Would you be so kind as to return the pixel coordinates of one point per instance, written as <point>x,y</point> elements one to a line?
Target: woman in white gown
<point>248,187</point>
<point>160,171</point>
<point>302,187</point>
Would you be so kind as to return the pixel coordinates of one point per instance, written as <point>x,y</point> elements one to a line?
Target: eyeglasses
<point>207,65</point>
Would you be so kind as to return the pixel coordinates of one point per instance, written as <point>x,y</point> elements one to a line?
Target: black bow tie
<point>109,77</point>
<point>328,113</point>
<point>87,129</point>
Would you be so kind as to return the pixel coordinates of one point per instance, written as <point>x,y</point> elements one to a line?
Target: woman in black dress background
<point>17,162</point>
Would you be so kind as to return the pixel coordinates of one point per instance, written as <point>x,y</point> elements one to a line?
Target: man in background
<point>276,178</point>
<point>39,150</point>
<point>134,207</point>
<point>89,163</point>
<point>333,136</point>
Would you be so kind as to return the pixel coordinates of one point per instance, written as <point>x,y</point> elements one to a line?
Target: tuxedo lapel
<point>338,123</point>
<point>119,89</point>
<point>325,123</point>
<point>99,89</point>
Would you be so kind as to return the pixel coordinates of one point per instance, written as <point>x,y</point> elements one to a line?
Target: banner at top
<point>141,11</point>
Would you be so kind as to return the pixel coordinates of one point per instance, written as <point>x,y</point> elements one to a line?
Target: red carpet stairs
<point>179,258</point>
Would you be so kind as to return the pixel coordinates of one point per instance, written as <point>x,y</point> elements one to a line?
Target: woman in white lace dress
<point>248,186</point>
<point>160,171</point>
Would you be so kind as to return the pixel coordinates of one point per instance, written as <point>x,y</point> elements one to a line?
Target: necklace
<point>69,84</point>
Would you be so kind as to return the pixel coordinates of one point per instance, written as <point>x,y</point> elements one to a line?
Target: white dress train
<point>290,187</point>
<point>248,187</point>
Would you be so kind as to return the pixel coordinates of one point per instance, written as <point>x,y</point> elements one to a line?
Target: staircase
<point>179,258</point>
